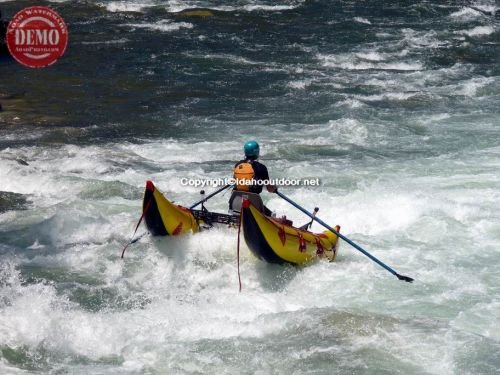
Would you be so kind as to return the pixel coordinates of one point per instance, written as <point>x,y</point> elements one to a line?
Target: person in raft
<point>251,176</point>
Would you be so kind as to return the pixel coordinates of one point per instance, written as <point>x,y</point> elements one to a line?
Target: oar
<point>132,241</point>
<point>210,196</point>
<point>357,247</point>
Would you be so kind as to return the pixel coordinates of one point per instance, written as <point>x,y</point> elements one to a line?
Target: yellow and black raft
<point>277,241</point>
<point>270,239</point>
<point>164,218</point>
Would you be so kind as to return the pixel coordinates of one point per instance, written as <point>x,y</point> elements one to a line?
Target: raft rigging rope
<point>137,227</point>
<point>238,249</point>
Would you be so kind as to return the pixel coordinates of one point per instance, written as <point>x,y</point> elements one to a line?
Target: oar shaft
<point>357,247</point>
<point>210,196</point>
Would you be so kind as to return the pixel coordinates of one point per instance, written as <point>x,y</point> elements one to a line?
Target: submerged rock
<point>196,12</point>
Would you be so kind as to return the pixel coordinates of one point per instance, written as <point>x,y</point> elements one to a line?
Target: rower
<point>250,176</point>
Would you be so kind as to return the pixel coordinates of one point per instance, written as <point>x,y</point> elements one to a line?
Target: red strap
<point>238,251</point>
<point>282,235</point>
<point>302,243</point>
<point>177,229</point>
<point>137,226</point>
<point>320,250</point>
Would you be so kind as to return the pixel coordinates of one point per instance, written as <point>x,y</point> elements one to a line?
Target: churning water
<point>393,105</point>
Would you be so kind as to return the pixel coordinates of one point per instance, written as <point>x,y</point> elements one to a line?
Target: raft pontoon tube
<point>275,241</point>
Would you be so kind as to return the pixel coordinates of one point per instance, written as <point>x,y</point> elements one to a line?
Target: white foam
<point>299,84</point>
<point>163,25</point>
<point>470,87</point>
<point>371,56</point>
<point>478,31</point>
<point>351,103</point>
<point>374,212</point>
<point>179,6</point>
<point>114,41</point>
<point>486,6</point>
<point>419,40</point>
<point>35,300</point>
<point>362,20</point>
<point>229,57</point>
<point>466,14</point>
<point>392,96</point>
<point>126,6</point>
<point>434,119</point>
<point>352,62</point>
<point>349,130</point>
<point>478,318</point>
<point>173,151</point>
<point>175,6</point>
<point>254,7</point>
<point>381,82</point>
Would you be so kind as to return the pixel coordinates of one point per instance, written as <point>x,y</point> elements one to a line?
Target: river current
<point>393,105</point>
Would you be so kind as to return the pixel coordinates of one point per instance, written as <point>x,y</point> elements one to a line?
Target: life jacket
<point>244,172</point>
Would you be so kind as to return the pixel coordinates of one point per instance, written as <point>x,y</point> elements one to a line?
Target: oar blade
<point>405,278</point>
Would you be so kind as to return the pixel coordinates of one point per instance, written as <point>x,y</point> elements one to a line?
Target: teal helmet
<point>251,149</point>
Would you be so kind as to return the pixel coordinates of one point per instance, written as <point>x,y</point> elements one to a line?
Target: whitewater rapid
<point>394,110</point>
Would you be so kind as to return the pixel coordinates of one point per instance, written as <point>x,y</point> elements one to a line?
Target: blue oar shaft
<point>356,246</point>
